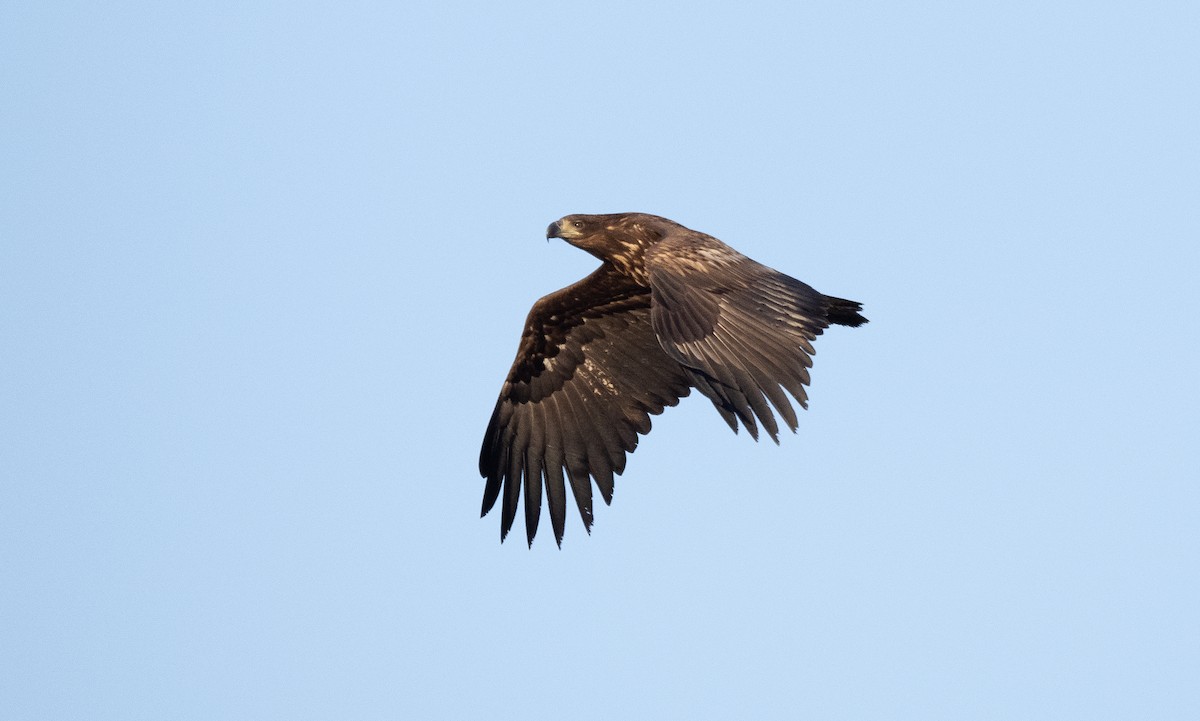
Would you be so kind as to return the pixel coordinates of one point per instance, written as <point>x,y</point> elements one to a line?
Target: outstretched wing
<point>589,374</point>
<point>742,329</point>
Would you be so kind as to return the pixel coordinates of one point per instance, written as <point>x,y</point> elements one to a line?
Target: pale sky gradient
<point>263,267</point>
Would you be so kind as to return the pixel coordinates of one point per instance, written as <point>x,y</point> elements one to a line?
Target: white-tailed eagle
<point>668,310</point>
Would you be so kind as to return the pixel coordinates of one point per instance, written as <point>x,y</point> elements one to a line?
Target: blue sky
<point>263,268</point>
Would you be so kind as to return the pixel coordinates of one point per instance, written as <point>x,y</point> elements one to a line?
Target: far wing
<point>742,329</point>
<point>588,375</point>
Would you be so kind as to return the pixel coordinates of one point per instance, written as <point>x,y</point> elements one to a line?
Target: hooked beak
<point>554,229</point>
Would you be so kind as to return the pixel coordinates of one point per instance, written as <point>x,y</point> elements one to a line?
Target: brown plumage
<point>668,310</point>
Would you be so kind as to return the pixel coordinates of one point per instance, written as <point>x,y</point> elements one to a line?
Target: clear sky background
<point>263,267</point>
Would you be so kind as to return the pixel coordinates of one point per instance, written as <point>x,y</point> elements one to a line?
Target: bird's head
<point>612,235</point>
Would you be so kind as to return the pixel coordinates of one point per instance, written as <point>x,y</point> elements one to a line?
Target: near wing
<point>741,329</point>
<point>589,374</point>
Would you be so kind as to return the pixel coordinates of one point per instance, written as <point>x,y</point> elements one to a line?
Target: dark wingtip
<point>751,428</point>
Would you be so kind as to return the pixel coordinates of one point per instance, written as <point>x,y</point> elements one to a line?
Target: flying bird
<point>669,309</point>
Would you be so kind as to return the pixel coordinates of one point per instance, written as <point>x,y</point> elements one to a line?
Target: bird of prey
<point>669,309</point>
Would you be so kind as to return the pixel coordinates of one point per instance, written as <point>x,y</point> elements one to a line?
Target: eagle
<point>669,309</point>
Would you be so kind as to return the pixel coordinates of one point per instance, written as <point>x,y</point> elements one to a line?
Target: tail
<point>840,311</point>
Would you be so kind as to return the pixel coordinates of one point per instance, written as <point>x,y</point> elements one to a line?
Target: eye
<point>577,223</point>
